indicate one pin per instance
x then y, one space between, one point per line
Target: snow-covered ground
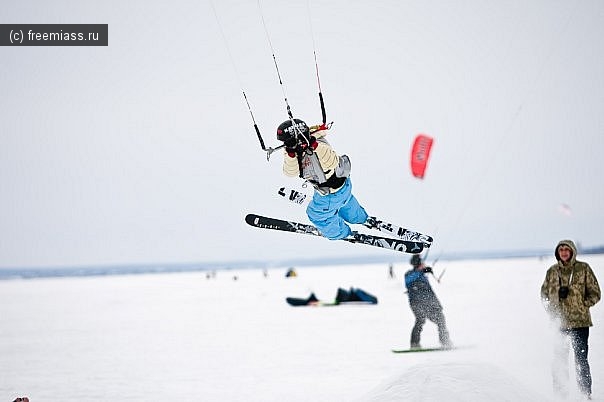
183 336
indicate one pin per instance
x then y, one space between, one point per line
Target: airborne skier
308 155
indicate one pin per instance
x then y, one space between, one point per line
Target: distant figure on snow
570 288
424 303
309 156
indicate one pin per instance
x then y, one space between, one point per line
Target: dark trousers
434 315
578 340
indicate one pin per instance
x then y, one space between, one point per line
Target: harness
311 170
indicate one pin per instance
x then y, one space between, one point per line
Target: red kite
420 152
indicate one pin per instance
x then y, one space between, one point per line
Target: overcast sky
144 151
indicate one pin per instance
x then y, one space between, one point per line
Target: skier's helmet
288 129
415 260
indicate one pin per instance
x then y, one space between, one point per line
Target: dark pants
578 340
434 315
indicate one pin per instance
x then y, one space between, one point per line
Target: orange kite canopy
420 153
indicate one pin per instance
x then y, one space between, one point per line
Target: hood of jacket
568 243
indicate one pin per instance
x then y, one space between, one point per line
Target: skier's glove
290 146
313 142
301 147
428 270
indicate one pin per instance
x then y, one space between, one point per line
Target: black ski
405 246
298 197
401 233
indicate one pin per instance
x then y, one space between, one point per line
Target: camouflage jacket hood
584 290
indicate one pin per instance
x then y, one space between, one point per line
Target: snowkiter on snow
424 303
309 156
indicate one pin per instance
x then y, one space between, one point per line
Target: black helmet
288 130
415 260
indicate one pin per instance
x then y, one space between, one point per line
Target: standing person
309 156
424 303
570 288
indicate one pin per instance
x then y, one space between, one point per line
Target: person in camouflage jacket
570 288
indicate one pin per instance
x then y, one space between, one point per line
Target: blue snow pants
329 213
